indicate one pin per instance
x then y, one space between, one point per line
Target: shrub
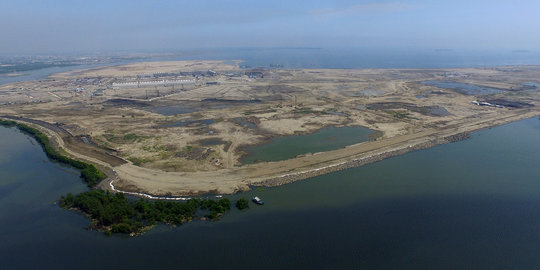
242 204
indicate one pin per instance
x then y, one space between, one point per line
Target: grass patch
138 161
165 155
307 110
128 138
250 112
103 143
399 114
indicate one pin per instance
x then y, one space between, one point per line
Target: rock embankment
360 161
458 137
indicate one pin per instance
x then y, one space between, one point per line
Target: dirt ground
177 128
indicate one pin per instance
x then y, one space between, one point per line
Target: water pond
186 108
532 84
464 88
198 106
287 147
188 123
213 141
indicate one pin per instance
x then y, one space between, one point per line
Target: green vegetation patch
115 213
242 204
307 110
138 161
399 114
250 112
128 138
111 138
89 173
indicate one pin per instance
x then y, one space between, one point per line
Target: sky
57 26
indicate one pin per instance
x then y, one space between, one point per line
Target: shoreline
292 102
325 167
375 157
278 179
372 136
90 174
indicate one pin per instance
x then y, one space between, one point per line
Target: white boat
257 200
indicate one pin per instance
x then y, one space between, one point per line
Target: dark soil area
464 88
126 102
243 101
77 144
509 103
189 123
195 153
249 122
425 110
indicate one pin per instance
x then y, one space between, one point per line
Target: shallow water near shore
473 204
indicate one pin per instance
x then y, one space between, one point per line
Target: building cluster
90 81
151 83
195 74
255 73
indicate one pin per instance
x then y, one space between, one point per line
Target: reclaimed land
171 139
115 213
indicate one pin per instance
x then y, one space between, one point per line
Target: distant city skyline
33 26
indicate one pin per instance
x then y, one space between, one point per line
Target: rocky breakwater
362 159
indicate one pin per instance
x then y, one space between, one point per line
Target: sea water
473 204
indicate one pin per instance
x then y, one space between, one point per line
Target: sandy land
282 172
187 139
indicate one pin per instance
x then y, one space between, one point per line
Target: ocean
473 204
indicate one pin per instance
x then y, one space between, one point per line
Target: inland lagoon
326 139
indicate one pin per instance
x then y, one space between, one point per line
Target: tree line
89 173
115 213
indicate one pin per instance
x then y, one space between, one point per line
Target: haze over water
331 57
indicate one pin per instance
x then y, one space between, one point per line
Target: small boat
257 200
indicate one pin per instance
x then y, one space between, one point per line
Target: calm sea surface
473 204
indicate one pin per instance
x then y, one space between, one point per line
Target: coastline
240 179
384 154
91 175
118 182
114 134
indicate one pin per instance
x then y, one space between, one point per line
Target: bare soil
132 131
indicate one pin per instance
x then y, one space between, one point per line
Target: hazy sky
33 26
